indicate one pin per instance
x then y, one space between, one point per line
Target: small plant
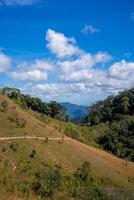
14 146
33 153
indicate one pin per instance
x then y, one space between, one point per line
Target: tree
84 172
47 182
56 109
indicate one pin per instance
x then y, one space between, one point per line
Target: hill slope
17 164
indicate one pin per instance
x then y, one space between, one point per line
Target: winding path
33 137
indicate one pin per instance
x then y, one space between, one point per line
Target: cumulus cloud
122 70
35 71
52 90
60 45
5 62
72 72
18 2
77 76
102 57
89 29
86 60
81 68
42 64
37 64
72 61
31 75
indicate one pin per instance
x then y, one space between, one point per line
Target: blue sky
77 51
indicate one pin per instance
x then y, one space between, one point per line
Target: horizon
76 52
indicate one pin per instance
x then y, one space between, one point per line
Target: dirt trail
33 137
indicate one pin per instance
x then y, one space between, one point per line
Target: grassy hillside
23 160
14 121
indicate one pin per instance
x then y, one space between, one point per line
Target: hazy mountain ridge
74 110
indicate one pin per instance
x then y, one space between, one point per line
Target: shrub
71 132
14 146
33 153
47 182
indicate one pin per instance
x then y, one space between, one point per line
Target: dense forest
117 114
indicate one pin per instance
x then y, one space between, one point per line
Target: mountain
74 110
38 159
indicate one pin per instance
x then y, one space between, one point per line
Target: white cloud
76 62
52 90
72 73
122 70
31 75
102 57
37 64
78 76
42 64
90 83
5 62
86 60
35 71
60 45
89 29
19 2
81 68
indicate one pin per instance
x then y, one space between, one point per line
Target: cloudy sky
76 51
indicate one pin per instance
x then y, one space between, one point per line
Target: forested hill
112 108
116 114
26 101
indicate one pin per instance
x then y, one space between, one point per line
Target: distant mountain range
74 110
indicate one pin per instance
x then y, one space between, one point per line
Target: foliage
47 181
72 132
120 138
14 146
112 108
56 110
52 109
80 185
117 113
33 153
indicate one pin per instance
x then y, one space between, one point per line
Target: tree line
112 108
52 109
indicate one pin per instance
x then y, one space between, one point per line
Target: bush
47 182
14 146
71 132
33 153
82 186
